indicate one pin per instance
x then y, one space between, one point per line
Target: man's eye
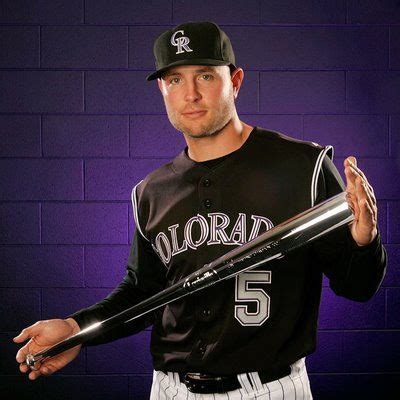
174 81
207 77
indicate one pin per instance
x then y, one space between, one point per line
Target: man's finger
48 369
24 335
27 333
22 352
357 171
34 375
23 367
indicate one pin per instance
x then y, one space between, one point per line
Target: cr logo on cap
181 42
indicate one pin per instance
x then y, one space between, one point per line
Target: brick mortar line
40 47
148 69
225 24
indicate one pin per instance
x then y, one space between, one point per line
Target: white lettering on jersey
203 231
165 253
257 225
174 236
239 229
214 229
217 229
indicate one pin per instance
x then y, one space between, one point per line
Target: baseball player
247 337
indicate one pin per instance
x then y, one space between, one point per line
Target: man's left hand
361 198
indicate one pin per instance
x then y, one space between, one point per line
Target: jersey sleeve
145 276
354 272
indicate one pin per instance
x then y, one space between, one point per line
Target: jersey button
206 313
202 348
207 182
207 203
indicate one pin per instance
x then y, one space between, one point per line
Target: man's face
199 99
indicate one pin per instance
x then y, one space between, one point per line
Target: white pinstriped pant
295 386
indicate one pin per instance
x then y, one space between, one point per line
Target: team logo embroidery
180 42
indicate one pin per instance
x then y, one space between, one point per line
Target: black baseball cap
192 43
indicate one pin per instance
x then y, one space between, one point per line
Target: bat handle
31 360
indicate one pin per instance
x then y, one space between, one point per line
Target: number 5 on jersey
246 291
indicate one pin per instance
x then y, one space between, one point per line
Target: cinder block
221 12
286 47
328 356
84 47
20 387
141 41
373 12
371 351
392 277
85 136
393 308
394 149
373 92
62 302
41 179
154 136
358 135
41 266
289 125
248 99
304 12
340 313
19 223
84 223
140 386
20 136
382 219
122 92
24 303
105 266
302 92
85 387
41 91
393 222
41 12
395 46
127 355
19 47
115 179
354 386
8 351
128 12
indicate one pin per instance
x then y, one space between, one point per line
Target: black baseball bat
273 244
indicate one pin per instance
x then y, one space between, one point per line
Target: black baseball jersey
189 213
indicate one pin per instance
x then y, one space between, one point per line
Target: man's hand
361 198
42 335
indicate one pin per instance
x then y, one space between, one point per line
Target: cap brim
203 61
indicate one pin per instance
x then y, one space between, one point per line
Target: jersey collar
192 171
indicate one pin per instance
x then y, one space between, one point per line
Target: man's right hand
42 335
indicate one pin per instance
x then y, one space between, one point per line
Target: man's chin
199 135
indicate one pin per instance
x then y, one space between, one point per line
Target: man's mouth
194 114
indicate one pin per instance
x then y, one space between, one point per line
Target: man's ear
159 82
237 78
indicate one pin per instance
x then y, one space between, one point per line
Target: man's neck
228 140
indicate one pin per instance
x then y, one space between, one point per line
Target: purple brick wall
80 126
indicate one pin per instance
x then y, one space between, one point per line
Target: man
249 336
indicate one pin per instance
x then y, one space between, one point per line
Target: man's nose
192 92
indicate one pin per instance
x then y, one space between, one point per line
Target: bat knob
31 361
